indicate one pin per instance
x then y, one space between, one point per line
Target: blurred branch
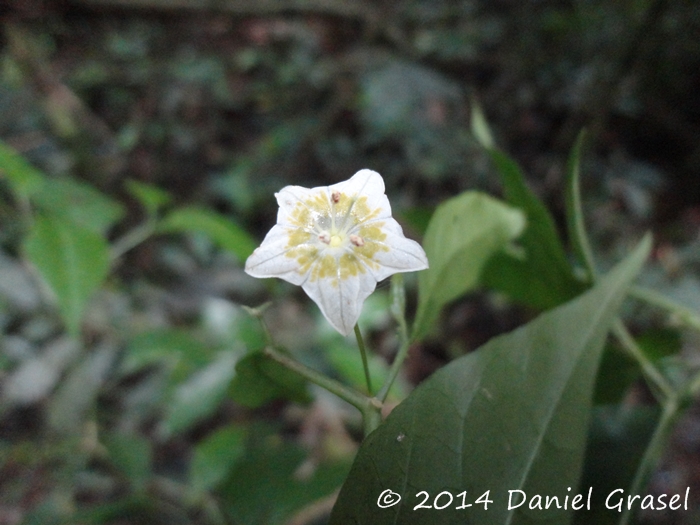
70 118
348 9
622 60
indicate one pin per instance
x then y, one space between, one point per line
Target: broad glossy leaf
223 231
543 278
72 260
463 234
511 416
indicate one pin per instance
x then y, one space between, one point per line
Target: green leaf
78 202
543 278
463 234
226 233
131 454
178 349
618 437
151 197
510 416
215 456
275 479
200 396
574 211
346 361
24 179
72 260
616 373
260 380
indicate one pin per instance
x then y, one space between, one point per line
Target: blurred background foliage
149 404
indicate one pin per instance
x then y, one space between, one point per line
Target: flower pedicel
336 242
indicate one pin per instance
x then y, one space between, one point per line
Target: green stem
693 386
369 407
652 452
355 398
633 349
363 353
652 297
398 309
132 238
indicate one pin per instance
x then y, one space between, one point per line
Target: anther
324 237
335 197
357 240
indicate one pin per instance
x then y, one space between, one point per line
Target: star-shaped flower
336 242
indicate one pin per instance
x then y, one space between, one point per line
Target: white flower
336 242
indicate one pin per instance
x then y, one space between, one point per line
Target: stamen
324 237
335 197
357 240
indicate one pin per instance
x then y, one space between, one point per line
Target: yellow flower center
329 236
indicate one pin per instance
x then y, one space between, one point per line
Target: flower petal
272 259
290 198
369 185
396 254
341 300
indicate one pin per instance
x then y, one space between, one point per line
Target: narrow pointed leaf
463 234
543 278
574 211
72 260
510 416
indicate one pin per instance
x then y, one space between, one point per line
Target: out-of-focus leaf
37 376
79 203
660 342
24 179
76 394
131 454
73 260
260 380
172 347
215 456
416 218
616 373
200 395
618 437
151 197
271 466
463 234
511 416
543 278
346 361
223 231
